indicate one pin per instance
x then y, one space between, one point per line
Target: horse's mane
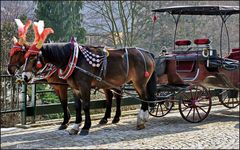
57 53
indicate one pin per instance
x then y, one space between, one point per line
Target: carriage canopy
200 10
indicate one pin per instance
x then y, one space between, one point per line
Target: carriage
195 72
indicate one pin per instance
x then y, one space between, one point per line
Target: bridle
39 59
17 48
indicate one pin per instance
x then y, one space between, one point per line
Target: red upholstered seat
236 49
185 66
234 55
183 42
202 41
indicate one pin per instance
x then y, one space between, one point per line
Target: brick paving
219 131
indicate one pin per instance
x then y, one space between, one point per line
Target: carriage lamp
205 52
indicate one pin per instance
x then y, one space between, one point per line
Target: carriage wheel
160 109
195 103
230 98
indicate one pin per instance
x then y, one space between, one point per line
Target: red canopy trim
235 49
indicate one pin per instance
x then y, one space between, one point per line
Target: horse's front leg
143 113
66 113
118 97
86 109
109 96
64 101
78 121
61 92
143 116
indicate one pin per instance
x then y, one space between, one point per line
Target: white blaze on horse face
143 115
27 75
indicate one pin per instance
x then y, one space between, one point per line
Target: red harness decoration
16 48
71 64
48 71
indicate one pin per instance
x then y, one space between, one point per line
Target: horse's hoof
115 120
84 132
63 126
141 126
73 132
103 121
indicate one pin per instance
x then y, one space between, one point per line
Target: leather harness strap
127 61
144 60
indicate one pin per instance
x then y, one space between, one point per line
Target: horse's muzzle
11 70
26 76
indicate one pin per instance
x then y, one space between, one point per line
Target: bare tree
11 10
119 18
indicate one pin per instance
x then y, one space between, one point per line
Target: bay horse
17 60
123 66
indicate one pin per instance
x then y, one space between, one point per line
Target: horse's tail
152 88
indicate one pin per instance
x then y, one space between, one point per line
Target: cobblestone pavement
219 131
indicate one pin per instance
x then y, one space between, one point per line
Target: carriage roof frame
209 10
200 10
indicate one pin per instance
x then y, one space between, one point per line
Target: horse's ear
14 39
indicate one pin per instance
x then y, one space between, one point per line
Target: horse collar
71 64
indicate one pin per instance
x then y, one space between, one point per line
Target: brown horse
123 65
17 60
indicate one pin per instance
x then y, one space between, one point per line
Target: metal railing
15 98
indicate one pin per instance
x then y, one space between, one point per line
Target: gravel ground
219 131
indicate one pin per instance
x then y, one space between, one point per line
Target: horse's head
19 48
33 57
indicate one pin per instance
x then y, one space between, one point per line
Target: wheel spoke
232 102
161 109
202 109
200 95
185 109
157 108
165 106
189 113
198 114
228 101
193 113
